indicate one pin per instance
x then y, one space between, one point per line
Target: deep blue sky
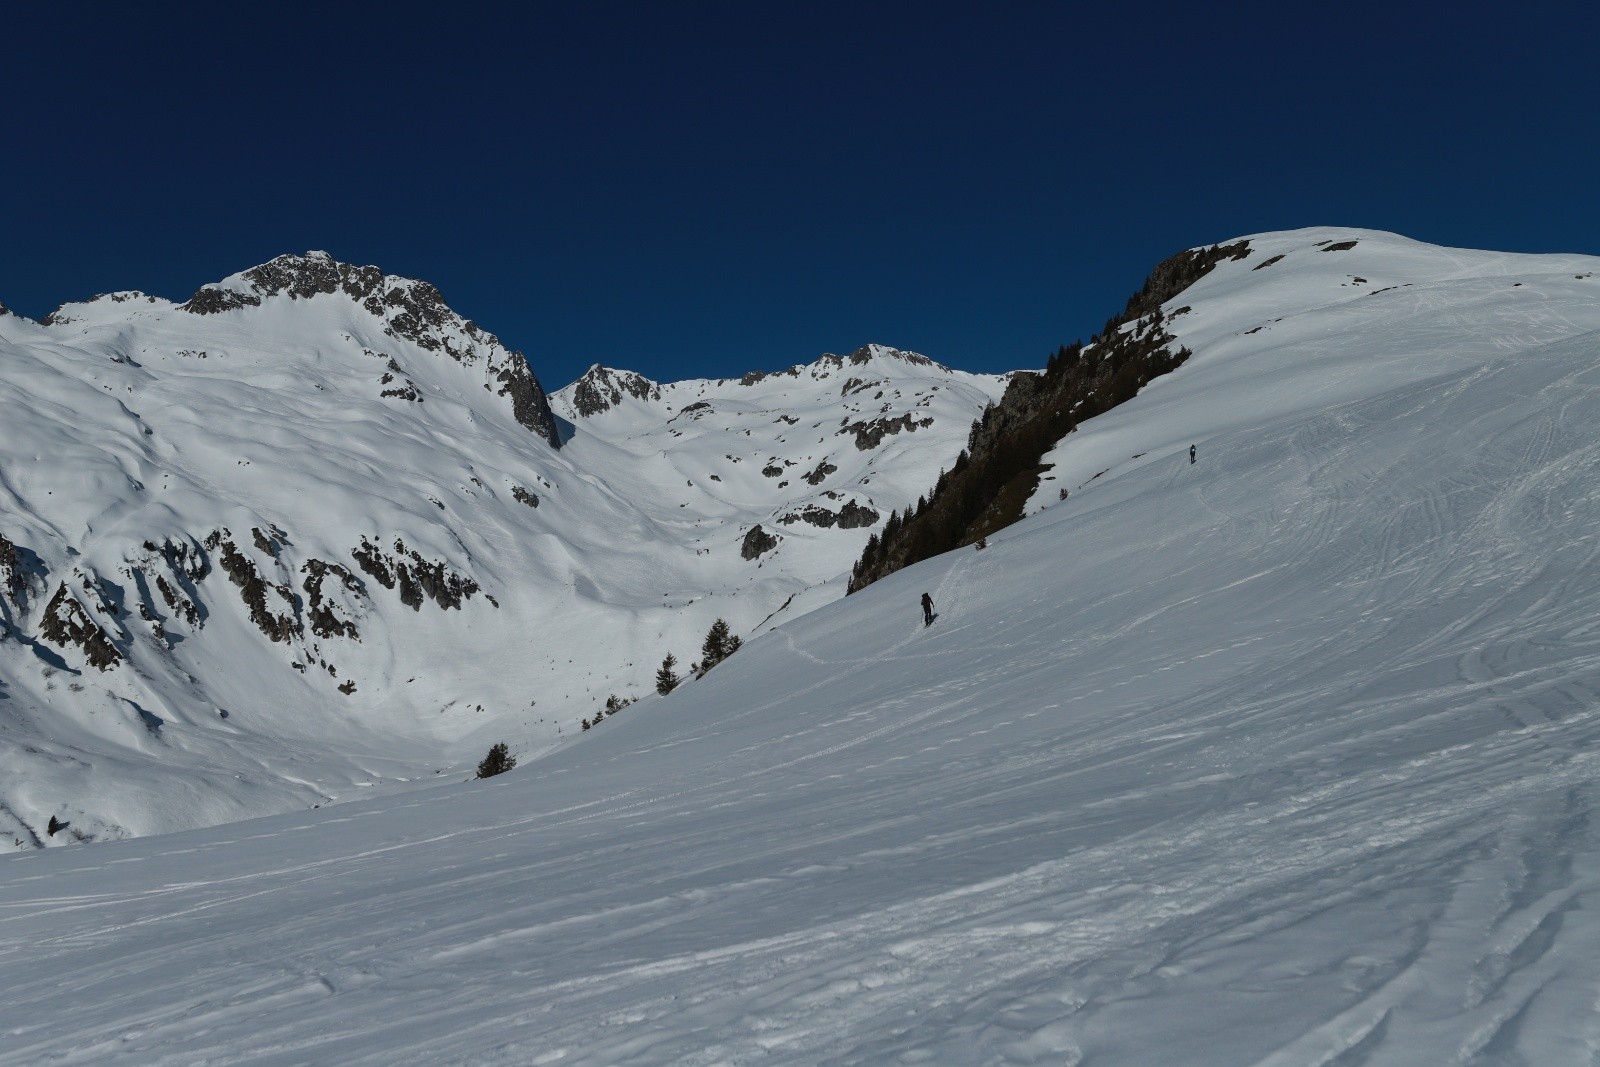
693 189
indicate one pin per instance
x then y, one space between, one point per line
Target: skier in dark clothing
1191 454
927 610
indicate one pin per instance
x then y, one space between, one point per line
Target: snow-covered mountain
794 458
312 530
1284 757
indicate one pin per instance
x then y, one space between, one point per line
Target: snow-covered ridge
1274 328
803 453
600 389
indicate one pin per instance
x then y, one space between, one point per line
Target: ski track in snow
1288 758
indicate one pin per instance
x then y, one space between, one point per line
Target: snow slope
310 534
1288 757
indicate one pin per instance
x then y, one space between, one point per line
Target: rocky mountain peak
602 388
869 352
411 310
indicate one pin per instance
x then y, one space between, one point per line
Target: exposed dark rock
601 389
186 564
854 516
772 470
1267 262
870 434
181 605
526 497
13 578
67 624
347 687
1339 246
1176 273
821 472
812 514
321 614
416 578
694 411
752 377
529 404
408 391
757 542
253 590
211 300
268 545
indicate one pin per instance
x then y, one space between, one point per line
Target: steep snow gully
1288 757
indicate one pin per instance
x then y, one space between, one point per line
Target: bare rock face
822 470
529 404
870 434
322 614
852 516
67 624
757 542
417 578
13 579
253 589
601 389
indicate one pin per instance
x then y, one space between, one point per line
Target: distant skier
927 610
1191 455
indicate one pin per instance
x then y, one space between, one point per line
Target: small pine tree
498 761
720 643
667 678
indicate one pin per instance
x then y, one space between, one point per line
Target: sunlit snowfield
1285 757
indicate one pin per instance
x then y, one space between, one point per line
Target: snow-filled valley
1290 755
310 535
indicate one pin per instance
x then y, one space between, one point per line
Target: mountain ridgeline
989 483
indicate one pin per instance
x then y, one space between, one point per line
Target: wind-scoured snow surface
1291 756
309 535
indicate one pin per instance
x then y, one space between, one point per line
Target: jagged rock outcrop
820 472
253 589
68 624
321 613
13 579
417 578
871 432
601 389
853 516
757 543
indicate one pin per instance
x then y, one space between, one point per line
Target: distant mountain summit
601 388
410 310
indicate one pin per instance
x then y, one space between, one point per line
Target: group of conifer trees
989 483
720 643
